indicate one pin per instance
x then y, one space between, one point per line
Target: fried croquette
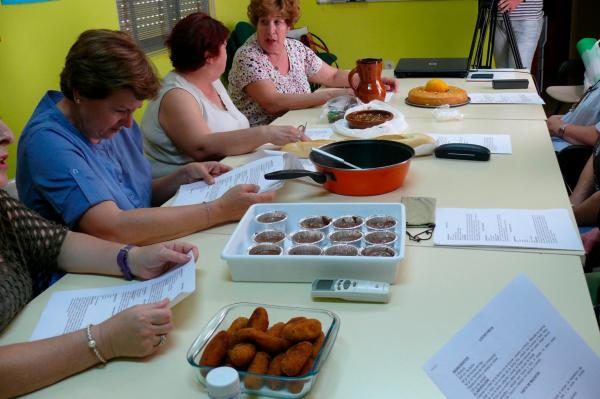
317 344
296 386
294 358
295 319
275 370
215 351
240 322
276 329
241 354
303 330
259 319
259 365
264 341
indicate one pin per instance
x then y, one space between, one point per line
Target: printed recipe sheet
518 346
519 228
73 310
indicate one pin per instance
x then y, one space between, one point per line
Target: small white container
378 250
265 250
314 237
381 222
223 383
276 237
344 250
305 249
348 222
320 223
272 220
348 237
381 237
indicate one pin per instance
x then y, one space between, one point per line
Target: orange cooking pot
383 166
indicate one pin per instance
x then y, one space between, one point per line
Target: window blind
150 21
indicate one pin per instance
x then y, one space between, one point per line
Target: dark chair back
242 31
571 161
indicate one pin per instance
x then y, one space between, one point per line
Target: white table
380 347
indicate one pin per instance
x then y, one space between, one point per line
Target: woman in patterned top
31 248
271 74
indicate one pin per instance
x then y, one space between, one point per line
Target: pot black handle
296 173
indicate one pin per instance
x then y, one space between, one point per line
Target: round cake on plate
437 92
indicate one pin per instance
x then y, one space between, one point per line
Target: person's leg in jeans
501 49
527 34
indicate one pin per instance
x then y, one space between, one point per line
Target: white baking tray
306 268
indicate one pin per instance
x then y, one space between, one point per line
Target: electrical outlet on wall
387 64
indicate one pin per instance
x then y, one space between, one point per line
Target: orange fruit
436 85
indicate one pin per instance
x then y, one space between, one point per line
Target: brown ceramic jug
370 87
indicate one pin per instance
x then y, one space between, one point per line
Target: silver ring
161 340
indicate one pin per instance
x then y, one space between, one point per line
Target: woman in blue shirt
581 125
80 156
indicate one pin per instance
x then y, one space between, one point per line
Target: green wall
34 38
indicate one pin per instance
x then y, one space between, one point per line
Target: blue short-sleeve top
61 174
587 112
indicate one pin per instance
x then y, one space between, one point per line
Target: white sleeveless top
164 157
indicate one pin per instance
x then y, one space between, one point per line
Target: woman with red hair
193 117
271 74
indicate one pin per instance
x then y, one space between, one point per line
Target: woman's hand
234 203
391 85
281 135
329 93
134 332
590 240
153 260
206 171
508 5
554 123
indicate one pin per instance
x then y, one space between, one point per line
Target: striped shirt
528 9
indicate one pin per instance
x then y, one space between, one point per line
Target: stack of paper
69 311
250 173
521 228
506 98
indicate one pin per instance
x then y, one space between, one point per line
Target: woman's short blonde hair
289 9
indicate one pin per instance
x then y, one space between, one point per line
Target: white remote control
352 290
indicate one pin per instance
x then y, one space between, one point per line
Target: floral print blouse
252 64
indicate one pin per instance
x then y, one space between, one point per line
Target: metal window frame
172 9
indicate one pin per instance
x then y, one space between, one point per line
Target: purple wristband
123 263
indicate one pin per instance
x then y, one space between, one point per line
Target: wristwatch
561 130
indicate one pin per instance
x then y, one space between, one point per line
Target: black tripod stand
487 19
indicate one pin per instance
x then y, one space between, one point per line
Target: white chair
565 94
11 189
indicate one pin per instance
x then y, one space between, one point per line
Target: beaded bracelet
123 262
92 344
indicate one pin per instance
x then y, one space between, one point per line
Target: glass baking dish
275 387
